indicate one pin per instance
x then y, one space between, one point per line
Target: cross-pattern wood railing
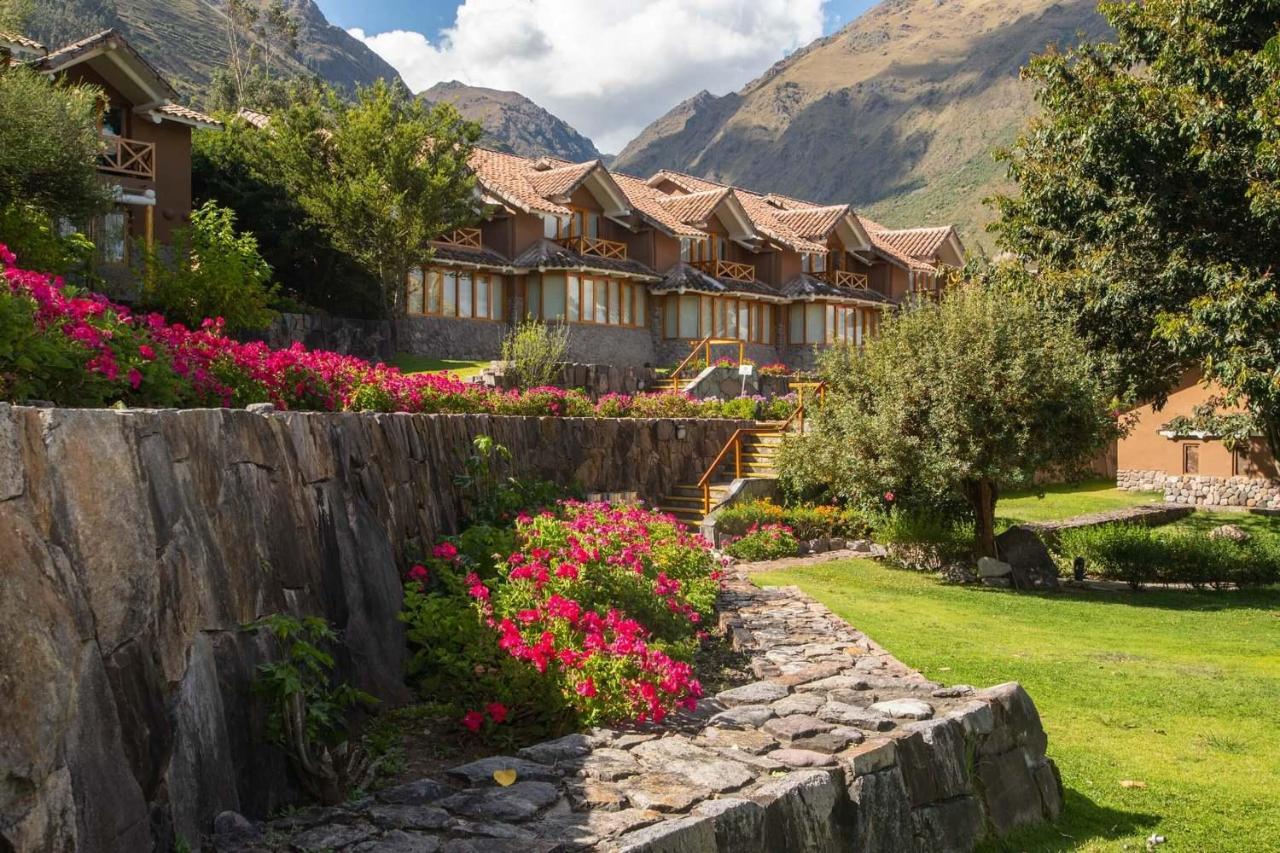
596 246
129 157
465 238
727 269
844 278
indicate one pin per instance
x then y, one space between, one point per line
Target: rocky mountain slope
187 39
513 123
898 112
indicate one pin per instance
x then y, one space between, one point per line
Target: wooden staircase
690 502
692 365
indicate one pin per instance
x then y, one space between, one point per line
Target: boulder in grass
1232 532
1032 566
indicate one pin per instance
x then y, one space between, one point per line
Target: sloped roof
693 208
188 115
560 180
21 41
805 286
253 117
545 184
814 223
649 204
683 277
89 46
506 176
468 255
546 254
923 243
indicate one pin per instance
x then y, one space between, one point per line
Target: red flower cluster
474 720
608 601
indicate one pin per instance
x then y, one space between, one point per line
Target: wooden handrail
131 157
467 238
597 246
675 374
717 268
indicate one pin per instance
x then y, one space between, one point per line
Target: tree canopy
953 401
1148 206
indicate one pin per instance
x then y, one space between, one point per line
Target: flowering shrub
775 369
592 616
806 521
80 349
767 542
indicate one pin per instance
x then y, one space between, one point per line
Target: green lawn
1178 690
1067 501
1203 522
421 364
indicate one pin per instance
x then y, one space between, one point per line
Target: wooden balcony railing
844 278
128 157
466 238
597 246
727 269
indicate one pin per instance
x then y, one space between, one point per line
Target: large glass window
830 324
591 299
553 291
444 292
695 317
112 237
688 317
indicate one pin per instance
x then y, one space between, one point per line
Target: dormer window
813 263
113 121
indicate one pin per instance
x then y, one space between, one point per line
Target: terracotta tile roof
648 202
21 41
922 243
188 115
545 254
815 223
694 208
253 117
466 255
506 176
72 54
559 181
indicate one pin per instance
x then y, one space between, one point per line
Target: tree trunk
982 497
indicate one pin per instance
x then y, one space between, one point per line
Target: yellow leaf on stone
1132 783
504 777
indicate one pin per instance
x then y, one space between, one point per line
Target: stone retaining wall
136 544
1195 490
838 747
596 379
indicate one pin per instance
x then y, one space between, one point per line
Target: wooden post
150 226
737 459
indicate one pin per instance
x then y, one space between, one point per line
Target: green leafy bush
764 542
1140 555
535 350
736 519
807 521
944 535
210 270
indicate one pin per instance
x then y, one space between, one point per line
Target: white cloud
607 71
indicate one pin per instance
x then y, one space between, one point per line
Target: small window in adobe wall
1191 459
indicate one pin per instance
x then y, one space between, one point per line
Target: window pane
730 318
766 324
549 224
450 308
497 296
413 301
831 323
482 295
814 327
434 291
553 298
615 303
686 253
533 297
588 301
689 317
744 321
464 294
796 322
573 298
593 225
642 318
670 327
708 311
628 297
602 300
113 239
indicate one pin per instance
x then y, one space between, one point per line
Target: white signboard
746 369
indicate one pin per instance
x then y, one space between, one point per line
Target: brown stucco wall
173 175
1144 449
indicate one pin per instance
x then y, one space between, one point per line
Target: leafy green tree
381 176
49 147
953 400
1148 205
238 168
210 270
14 13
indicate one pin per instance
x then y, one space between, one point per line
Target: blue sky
429 17
607 68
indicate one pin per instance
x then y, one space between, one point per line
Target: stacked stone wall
1195 490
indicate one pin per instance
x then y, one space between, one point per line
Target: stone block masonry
1195 490
838 747
135 545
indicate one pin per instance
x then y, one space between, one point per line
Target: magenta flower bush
594 616
80 349
769 541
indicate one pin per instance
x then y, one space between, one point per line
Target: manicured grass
1177 690
1203 522
420 364
1067 501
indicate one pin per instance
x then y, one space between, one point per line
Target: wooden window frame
713 318
1189 449
630 291
478 279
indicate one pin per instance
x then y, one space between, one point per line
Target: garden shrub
807 521
736 519
763 542
900 526
1141 555
674 405
535 351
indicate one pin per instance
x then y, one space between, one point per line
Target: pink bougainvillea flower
419 573
586 688
497 711
445 551
888 497
473 720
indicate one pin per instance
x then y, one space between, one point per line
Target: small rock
756 693
802 758
417 793
911 709
837 682
630 739
751 741
990 567
664 792
409 817
561 749
795 727
231 823
260 408
828 742
481 772
400 842
331 836
852 715
954 692
1232 532
743 717
608 764
520 801
799 703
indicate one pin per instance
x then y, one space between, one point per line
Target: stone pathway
837 746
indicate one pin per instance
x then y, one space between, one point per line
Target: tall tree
955 400
382 176
1146 199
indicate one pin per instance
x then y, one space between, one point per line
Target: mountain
187 39
513 123
898 112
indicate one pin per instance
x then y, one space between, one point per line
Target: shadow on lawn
1083 821
1206 601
